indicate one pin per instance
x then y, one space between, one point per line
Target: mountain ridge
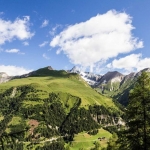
113 84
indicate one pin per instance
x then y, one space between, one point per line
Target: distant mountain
112 84
4 77
90 78
114 76
118 86
40 72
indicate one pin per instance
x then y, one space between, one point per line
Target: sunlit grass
86 141
74 86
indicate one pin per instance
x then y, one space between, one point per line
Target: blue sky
95 35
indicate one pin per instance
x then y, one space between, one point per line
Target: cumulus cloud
133 62
13 70
97 39
12 50
18 29
45 23
25 43
45 56
43 44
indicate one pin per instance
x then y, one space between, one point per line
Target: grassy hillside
49 108
86 141
58 81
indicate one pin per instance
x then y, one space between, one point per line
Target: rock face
74 70
90 78
114 76
113 84
4 77
130 76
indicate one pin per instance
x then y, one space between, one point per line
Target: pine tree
137 134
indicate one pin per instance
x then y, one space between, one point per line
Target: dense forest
58 116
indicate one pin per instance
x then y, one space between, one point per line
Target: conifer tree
137 134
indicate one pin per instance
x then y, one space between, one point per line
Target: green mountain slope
58 81
119 91
48 106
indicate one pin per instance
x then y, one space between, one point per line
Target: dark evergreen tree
137 134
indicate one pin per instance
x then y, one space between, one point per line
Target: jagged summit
75 69
89 77
112 76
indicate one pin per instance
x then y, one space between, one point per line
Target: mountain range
113 84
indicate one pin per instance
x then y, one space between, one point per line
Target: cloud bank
133 62
97 39
13 70
18 29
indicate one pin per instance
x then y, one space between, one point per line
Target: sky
94 35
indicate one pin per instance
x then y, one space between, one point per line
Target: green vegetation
86 141
136 135
58 81
118 91
137 117
51 108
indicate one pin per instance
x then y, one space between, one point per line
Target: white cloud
45 56
45 23
13 70
18 29
133 62
98 39
43 44
25 43
54 29
12 50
